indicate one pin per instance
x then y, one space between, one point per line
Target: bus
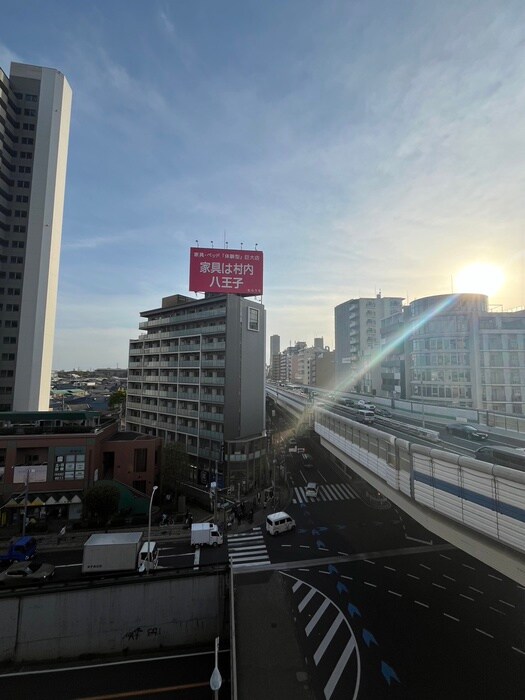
513 457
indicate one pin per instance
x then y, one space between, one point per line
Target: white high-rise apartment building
35 111
357 341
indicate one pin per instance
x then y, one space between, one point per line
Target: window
253 319
30 112
31 98
140 460
27 141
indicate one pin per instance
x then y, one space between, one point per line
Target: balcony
182 318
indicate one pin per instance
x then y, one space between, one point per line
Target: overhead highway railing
477 506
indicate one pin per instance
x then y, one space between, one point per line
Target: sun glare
479 278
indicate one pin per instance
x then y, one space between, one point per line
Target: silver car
24 573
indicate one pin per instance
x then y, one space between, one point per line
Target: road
182 675
380 607
384 609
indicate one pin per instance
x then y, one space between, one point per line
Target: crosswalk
247 549
327 492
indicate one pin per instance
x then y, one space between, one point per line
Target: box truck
118 551
205 533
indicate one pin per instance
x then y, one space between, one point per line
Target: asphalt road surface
384 609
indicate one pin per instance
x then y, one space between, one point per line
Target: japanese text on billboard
226 271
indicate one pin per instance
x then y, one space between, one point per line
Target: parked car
26 573
469 432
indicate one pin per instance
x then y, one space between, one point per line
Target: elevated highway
476 506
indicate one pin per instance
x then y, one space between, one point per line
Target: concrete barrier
102 618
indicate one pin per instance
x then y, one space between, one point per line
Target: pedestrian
61 534
258 497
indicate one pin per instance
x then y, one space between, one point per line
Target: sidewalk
74 539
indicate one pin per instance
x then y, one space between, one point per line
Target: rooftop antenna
241 245
256 246
211 243
197 242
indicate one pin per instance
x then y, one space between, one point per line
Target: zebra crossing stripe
328 489
348 490
327 639
338 670
337 488
308 597
315 619
247 549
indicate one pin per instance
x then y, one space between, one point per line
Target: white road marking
372 585
414 576
296 586
496 577
485 633
343 554
390 568
496 610
476 590
338 670
438 585
504 602
445 557
308 597
315 619
197 558
424 566
520 651
448 577
348 578
399 595
456 619
369 561
327 639
424 605
462 595
467 566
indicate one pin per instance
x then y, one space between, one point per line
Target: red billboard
226 271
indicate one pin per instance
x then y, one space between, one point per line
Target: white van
143 564
279 522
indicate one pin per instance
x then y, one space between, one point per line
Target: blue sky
362 145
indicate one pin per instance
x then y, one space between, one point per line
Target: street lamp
216 678
149 529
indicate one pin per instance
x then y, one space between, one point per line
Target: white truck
119 551
205 533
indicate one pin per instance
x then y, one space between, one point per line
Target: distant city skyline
364 147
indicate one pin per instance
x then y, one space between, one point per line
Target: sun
479 278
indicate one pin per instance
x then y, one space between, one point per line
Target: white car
364 404
312 490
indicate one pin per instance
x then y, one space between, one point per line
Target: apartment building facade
35 110
358 339
451 349
196 377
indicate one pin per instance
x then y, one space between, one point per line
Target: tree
174 467
102 500
117 398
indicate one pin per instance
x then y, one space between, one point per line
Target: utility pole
26 496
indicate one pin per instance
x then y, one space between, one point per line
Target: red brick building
60 454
